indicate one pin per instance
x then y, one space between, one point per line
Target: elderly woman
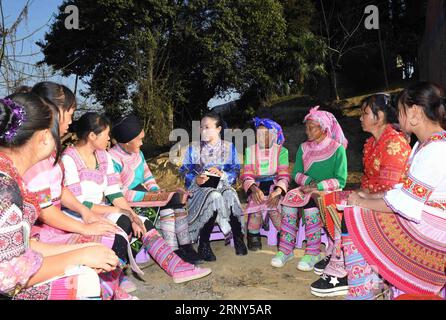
265 178
139 185
321 165
385 157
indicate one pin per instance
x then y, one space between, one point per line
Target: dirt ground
249 277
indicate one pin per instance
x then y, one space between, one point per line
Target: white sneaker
280 259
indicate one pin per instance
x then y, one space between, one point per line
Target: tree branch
4 33
31 34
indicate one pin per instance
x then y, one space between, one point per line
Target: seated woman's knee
215 195
125 224
147 223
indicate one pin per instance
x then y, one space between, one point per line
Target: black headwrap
126 129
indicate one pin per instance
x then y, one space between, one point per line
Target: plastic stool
216 235
271 234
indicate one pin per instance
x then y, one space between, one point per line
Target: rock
165 173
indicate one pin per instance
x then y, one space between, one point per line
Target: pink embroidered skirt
411 256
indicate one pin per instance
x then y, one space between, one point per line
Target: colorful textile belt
265 179
436 204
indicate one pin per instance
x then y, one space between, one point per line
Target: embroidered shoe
329 286
280 259
321 265
127 285
189 275
308 261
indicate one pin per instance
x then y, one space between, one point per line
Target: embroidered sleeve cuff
149 178
283 185
151 185
403 204
308 180
138 196
282 191
302 179
248 184
328 185
88 204
45 205
44 198
114 196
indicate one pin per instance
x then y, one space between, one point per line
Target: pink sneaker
189 275
127 285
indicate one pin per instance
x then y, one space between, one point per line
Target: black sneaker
321 265
329 286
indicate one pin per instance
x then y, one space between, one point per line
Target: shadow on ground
249 277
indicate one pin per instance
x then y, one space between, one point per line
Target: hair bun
23 89
73 126
5 118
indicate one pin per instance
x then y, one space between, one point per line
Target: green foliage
165 59
356 52
306 51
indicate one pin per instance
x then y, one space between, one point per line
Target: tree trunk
432 52
334 80
383 59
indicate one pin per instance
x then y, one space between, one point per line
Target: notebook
212 182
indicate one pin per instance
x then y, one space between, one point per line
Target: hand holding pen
201 178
